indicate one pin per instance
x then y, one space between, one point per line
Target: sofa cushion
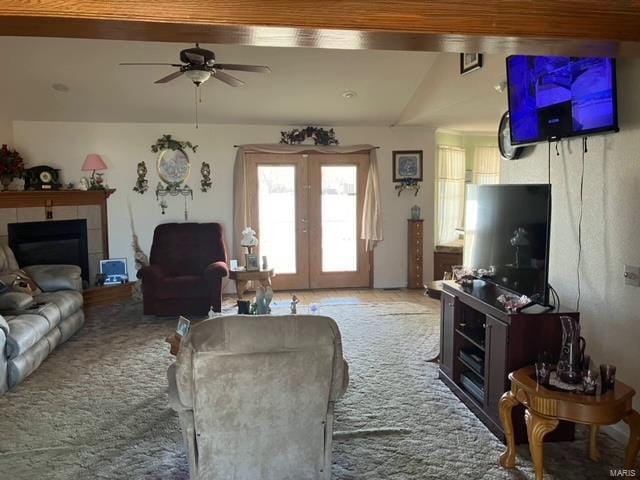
52 278
67 301
48 310
25 330
22 366
12 301
70 325
7 260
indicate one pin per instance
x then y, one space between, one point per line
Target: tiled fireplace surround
94 214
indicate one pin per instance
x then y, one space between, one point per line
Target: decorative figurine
205 171
264 295
294 302
249 239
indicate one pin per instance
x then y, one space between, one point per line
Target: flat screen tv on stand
507 230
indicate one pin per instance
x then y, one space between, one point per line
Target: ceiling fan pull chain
196 103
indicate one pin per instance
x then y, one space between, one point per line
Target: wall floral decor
142 184
319 135
205 182
166 142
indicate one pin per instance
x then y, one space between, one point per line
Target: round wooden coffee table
546 407
243 277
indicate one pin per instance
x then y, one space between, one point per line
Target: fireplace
49 243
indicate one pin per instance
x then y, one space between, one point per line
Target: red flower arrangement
11 162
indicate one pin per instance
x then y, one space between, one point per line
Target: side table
243 277
546 407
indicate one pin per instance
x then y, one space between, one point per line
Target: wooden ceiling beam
577 27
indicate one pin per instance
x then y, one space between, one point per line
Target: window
486 165
450 167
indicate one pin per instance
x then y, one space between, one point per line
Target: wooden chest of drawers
415 254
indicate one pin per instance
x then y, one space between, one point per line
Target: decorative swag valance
372 211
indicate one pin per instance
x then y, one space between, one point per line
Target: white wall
610 310
64 145
6 132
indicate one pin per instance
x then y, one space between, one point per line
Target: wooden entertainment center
481 343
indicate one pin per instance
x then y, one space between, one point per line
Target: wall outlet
632 275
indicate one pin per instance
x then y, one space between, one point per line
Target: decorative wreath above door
319 135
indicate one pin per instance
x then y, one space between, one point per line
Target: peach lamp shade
94 162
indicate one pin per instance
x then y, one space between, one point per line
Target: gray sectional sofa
33 325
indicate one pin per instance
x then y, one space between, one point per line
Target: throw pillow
19 281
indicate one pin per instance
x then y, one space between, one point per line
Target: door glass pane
339 218
277 205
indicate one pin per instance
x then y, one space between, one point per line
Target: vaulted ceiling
305 86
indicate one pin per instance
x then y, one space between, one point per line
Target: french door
307 210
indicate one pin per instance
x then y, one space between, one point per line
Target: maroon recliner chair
187 263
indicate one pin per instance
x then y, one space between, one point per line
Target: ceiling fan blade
194 58
170 77
228 79
242 68
166 64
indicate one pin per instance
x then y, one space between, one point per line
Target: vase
6 179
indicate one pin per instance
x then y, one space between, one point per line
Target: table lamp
92 163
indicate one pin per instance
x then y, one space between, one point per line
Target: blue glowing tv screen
556 97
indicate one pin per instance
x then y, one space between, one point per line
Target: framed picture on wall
470 62
407 165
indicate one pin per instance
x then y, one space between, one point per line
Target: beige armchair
255 396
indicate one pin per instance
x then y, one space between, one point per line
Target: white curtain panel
242 216
450 167
486 165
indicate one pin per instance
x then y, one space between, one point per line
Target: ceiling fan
199 64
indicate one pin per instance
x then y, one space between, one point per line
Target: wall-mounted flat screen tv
506 236
557 97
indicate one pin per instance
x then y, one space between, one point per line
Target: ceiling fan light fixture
198 76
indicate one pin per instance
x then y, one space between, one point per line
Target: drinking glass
543 372
589 382
607 376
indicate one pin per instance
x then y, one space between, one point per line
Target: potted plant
11 165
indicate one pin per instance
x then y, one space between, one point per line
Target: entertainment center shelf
481 343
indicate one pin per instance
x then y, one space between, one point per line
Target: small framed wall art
470 62
407 165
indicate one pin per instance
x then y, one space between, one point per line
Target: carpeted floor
97 407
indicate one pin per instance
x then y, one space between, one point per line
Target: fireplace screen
51 243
